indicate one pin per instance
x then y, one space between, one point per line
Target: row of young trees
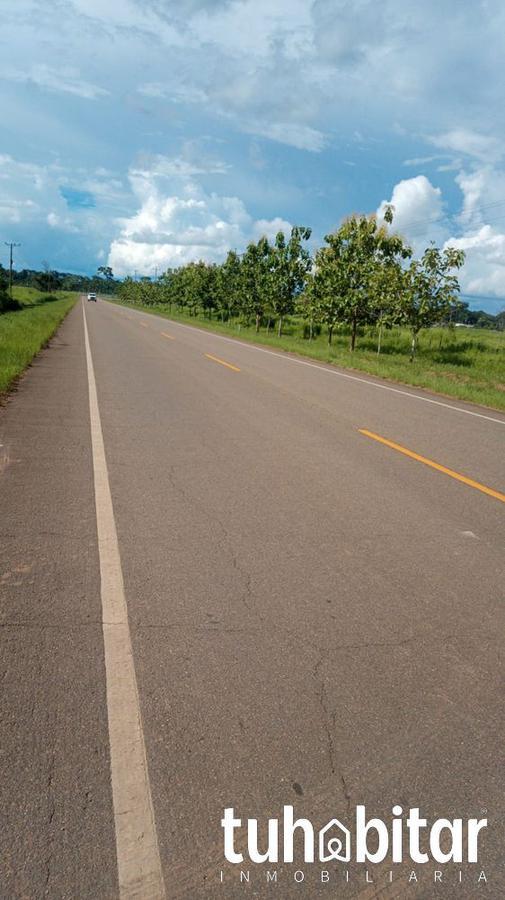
364 274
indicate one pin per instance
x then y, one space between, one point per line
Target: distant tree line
48 280
364 274
477 318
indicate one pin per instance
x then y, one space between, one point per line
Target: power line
440 217
443 215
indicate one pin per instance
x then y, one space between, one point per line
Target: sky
143 134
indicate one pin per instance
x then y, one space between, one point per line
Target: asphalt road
316 618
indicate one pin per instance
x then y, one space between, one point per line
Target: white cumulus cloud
418 209
482 236
484 271
420 217
174 228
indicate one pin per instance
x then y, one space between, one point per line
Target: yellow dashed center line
222 362
169 336
434 465
144 324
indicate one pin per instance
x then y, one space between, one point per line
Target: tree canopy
363 275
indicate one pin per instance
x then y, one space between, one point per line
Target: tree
7 303
229 285
323 299
4 294
147 293
307 305
168 288
47 280
128 290
431 289
209 287
290 265
354 254
192 286
387 291
108 275
256 280
200 284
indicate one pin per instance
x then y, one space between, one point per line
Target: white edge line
322 368
138 859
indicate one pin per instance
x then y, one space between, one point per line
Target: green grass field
24 332
465 363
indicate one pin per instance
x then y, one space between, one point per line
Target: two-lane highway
232 577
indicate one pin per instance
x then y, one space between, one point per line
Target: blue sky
146 133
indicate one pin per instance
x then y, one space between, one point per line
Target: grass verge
467 364
25 331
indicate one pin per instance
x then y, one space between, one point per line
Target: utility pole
11 245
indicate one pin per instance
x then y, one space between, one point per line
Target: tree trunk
330 333
413 346
258 319
353 334
279 329
380 340
311 330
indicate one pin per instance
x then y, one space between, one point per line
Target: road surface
314 617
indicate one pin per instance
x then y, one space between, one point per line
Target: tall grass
465 363
25 331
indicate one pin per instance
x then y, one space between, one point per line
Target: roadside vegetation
27 322
49 281
363 302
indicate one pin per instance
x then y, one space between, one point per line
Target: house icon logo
334 842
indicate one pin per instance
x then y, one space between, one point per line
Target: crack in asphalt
328 720
226 545
51 813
